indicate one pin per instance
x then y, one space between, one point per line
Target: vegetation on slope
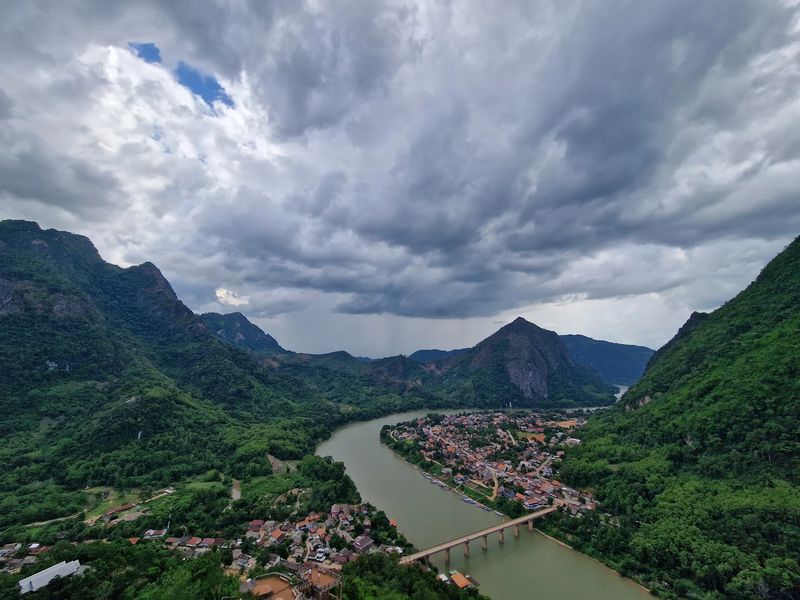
424 356
702 464
380 576
111 380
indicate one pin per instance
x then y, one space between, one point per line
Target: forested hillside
110 379
702 463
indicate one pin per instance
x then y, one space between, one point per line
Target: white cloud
407 174
230 298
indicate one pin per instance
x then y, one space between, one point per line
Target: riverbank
450 484
597 560
455 490
426 517
456 452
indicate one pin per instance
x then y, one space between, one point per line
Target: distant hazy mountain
424 356
237 330
521 364
617 363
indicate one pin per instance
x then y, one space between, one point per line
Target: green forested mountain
621 364
522 365
616 363
702 460
235 329
110 379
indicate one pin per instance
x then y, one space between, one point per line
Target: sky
386 176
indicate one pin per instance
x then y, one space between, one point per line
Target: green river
531 567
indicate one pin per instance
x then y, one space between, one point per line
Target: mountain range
110 378
521 364
516 363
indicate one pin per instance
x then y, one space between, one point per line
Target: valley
427 514
134 427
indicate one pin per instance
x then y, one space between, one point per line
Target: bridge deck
478 534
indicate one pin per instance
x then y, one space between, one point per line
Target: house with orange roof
274 587
278 535
459 580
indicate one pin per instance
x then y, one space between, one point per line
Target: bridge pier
424 555
447 556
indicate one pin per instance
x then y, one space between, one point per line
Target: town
499 461
504 462
287 559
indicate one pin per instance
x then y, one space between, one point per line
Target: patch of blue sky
203 85
147 51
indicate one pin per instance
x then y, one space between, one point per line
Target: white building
42 578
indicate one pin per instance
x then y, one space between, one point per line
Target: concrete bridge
483 535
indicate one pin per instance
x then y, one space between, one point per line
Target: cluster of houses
311 551
480 451
310 563
15 556
309 539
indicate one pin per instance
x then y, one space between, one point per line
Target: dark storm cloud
30 171
5 105
413 158
312 64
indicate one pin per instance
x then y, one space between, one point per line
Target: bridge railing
465 539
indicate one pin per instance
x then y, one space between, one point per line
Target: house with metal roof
42 578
